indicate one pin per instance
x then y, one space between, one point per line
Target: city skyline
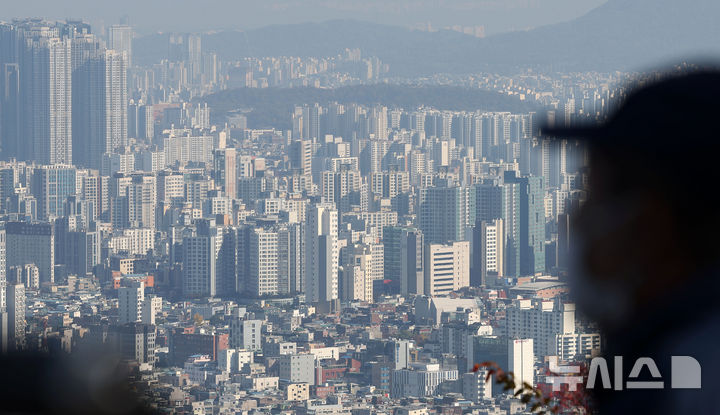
325 219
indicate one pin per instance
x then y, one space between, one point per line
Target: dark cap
663 118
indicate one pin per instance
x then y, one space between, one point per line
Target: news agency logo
685 374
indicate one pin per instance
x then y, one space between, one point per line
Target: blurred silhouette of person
645 252
96 382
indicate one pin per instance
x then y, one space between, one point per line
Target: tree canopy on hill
272 107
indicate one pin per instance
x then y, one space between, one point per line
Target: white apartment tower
47 109
16 315
491 248
521 360
130 302
114 67
150 309
262 278
447 268
542 321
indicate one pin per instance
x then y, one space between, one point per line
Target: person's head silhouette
650 222
645 252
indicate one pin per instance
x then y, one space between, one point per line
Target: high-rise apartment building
152 305
542 321
496 200
46 88
262 270
291 258
120 38
15 305
10 104
31 243
225 171
199 266
100 103
521 360
130 302
404 259
301 156
51 186
488 251
321 254
532 222
362 265
445 213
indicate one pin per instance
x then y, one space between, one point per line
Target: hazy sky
204 15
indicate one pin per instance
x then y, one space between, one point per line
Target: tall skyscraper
199 266
10 110
497 200
562 251
146 123
291 258
445 213
488 251
301 156
46 94
225 163
120 38
194 57
100 119
404 259
321 254
130 302
141 199
231 261
15 303
86 49
9 91
532 222
262 276
521 360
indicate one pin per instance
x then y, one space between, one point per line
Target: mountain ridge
618 35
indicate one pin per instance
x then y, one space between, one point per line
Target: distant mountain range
619 35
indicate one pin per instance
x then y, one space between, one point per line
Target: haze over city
358 208
185 15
